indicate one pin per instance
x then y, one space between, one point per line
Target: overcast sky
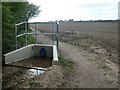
52 10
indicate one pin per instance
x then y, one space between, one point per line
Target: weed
31 39
66 64
101 63
33 84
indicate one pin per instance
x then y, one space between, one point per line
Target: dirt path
85 74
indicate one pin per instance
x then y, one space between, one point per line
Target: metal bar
41 22
45 33
53 32
20 23
26 67
26 33
36 33
21 35
16 35
30 33
42 33
32 28
57 36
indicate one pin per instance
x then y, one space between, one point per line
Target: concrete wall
30 51
20 54
55 55
49 49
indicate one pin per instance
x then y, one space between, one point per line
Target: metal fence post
53 32
36 33
57 35
16 35
26 32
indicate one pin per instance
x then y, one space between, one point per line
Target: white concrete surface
31 51
49 49
55 55
19 54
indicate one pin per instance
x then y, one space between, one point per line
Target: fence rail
54 33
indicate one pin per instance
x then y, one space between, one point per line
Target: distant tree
32 12
23 11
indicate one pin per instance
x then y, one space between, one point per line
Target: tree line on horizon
72 20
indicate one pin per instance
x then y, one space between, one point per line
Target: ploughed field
86 34
91 36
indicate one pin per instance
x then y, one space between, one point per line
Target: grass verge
66 64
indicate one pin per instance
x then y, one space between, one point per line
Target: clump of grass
31 39
66 64
33 84
101 63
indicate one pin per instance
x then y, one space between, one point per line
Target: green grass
22 40
101 62
66 64
31 39
33 84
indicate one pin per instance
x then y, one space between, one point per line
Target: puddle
34 72
15 76
34 62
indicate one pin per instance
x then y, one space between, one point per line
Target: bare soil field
99 40
104 33
105 29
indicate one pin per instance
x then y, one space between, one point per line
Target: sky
52 10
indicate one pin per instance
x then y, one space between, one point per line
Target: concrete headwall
55 55
19 54
31 51
48 48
